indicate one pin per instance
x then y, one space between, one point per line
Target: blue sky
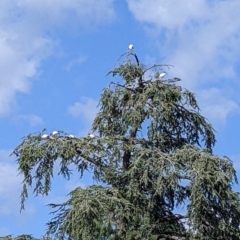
53 64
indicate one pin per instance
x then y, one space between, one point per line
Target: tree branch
175 217
170 237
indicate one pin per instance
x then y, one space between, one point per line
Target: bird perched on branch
54 133
91 135
159 75
44 136
130 47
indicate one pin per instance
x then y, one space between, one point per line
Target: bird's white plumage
44 136
54 133
91 135
161 75
130 47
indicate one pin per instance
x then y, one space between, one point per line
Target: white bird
44 136
161 75
91 135
54 133
130 47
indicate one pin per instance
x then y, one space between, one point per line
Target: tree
24 237
152 157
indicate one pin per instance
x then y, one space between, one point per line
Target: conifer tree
24 237
151 154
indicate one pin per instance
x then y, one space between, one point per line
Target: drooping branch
169 237
37 157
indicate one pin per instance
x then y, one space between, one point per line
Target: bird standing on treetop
130 47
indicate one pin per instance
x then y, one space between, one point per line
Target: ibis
130 47
54 133
44 136
91 135
161 75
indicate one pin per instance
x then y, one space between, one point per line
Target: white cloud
32 119
58 12
74 62
10 188
198 38
73 184
8 174
86 109
22 50
69 186
171 14
24 42
9 185
236 161
216 106
4 231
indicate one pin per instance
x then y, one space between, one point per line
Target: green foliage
24 237
152 155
